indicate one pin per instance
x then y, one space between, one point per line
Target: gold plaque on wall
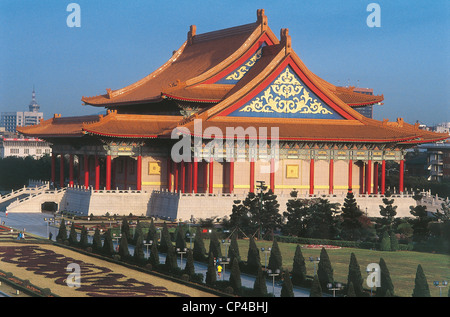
154 168
291 171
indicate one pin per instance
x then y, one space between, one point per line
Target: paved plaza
34 223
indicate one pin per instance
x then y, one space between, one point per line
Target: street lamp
190 236
226 243
334 287
224 261
315 261
265 255
273 274
444 284
181 252
149 243
48 221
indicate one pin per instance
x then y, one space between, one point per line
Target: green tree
211 276
189 269
275 259
84 238
287 290
214 245
385 244
154 255
97 241
108 246
387 212
233 250
351 290
152 233
322 223
270 217
165 242
239 218
296 215
138 232
260 286
199 250
387 288
139 256
125 229
316 289
351 224
62 233
235 277
394 242
73 235
420 223
171 259
421 288
354 276
253 258
324 269
124 252
180 240
298 267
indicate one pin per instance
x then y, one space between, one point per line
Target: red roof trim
287 62
243 58
190 99
150 136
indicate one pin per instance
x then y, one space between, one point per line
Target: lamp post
265 255
273 275
190 236
262 187
315 261
181 252
334 287
48 221
149 243
224 261
444 284
226 243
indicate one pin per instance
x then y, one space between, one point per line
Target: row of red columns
175 169
97 171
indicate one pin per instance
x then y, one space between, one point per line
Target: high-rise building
10 120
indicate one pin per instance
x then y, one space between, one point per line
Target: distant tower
34 107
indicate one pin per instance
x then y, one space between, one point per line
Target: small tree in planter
324 269
287 290
235 277
421 288
299 267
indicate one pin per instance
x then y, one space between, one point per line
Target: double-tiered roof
238 77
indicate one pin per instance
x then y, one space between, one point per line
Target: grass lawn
402 265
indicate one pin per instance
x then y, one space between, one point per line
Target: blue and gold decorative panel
236 75
286 97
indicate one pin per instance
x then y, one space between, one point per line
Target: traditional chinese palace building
244 77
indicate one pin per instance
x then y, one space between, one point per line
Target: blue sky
407 59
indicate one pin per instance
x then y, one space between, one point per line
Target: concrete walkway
34 223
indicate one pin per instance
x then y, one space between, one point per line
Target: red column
205 177
252 176
401 176
108 172
183 176
231 175
189 165
169 174
86 170
139 173
331 172
125 172
97 173
71 170
195 175
311 177
361 178
368 177
61 171
113 172
375 178
53 169
350 174
176 177
211 176
272 175
383 177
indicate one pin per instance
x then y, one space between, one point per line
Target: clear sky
407 59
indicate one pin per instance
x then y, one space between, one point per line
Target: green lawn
402 265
